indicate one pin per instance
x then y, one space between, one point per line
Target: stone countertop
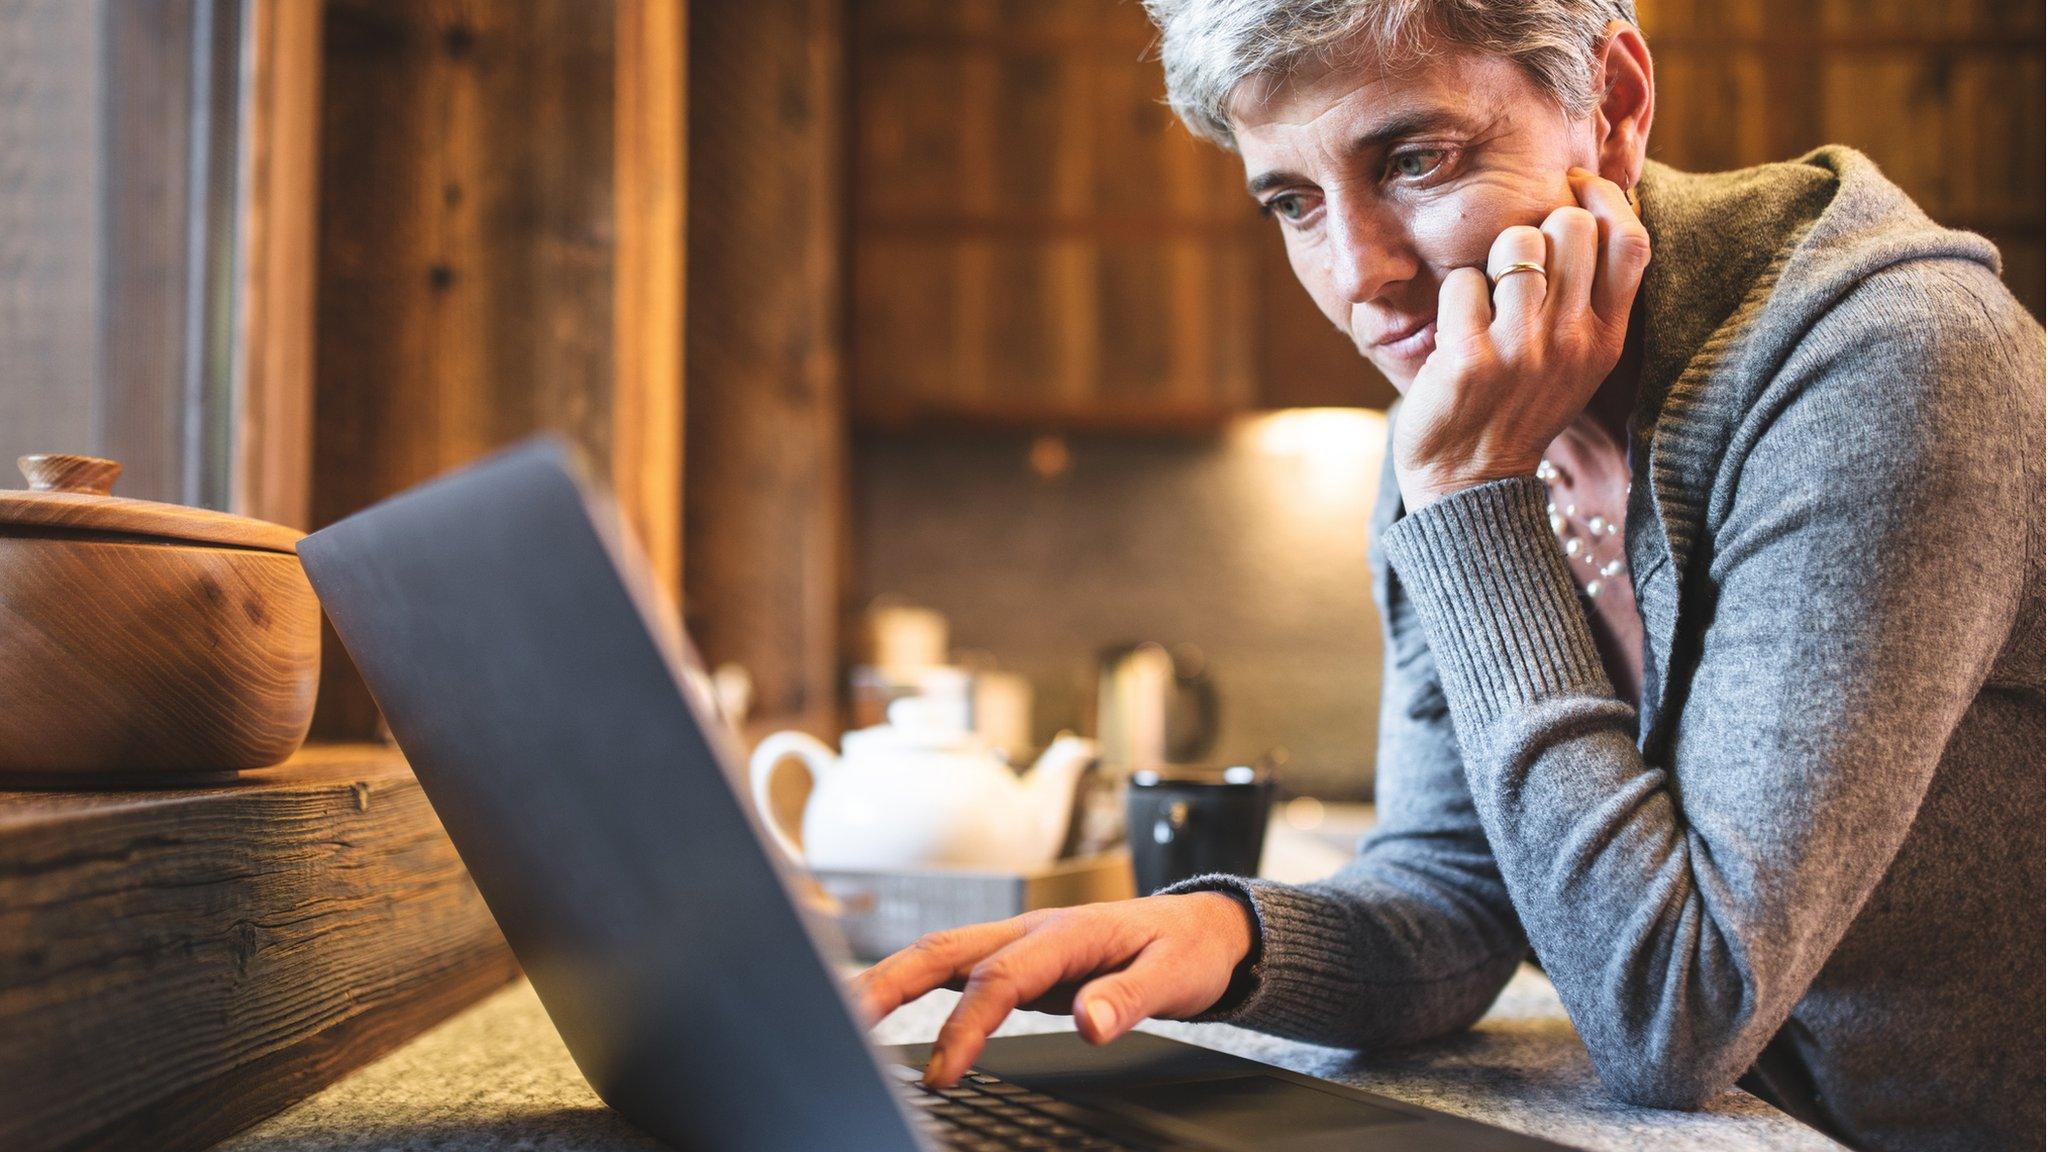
497 1076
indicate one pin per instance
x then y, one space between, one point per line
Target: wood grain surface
177 964
99 514
1036 244
138 658
1046 247
649 108
69 472
476 200
273 427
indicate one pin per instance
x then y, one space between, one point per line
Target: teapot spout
1049 788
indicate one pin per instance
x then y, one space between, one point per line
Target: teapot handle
767 757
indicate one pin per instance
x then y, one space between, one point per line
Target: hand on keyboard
986 1114
1111 965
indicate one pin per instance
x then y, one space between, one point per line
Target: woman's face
1383 184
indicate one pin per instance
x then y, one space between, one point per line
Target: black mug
1184 823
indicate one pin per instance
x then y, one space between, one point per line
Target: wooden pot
143 642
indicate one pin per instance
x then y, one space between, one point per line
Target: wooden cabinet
1945 98
1037 241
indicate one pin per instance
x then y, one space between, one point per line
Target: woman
1710 556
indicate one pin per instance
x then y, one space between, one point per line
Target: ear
1621 120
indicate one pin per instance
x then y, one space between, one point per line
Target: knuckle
1478 358
931 944
1519 238
1572 220
999 970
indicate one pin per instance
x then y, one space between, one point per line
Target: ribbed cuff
1496 600
1300 941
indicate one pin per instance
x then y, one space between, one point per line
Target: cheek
1459 231
1306 255
1453 235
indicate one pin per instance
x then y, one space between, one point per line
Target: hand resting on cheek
1520 352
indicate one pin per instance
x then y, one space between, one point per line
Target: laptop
542 687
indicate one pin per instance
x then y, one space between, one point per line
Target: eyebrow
1401 125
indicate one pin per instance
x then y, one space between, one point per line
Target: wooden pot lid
73 494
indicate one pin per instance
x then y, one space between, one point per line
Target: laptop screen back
506 629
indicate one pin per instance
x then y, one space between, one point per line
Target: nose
1367 248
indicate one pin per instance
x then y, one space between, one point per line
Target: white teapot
919 792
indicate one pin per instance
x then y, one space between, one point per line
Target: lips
1396 335
1412 343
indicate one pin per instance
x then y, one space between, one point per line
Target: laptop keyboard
986 1114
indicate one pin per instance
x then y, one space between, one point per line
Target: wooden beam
501 252
647 408
273 429
765 451
177 964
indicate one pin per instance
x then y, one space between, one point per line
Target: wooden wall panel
475 193
1086 242
765 452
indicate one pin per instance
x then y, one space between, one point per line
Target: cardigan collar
1707 277
1742 264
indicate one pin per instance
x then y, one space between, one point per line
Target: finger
1518 296
1057 951
1057 1000
934 960
1155 984
1624 245
1574 236
1464 308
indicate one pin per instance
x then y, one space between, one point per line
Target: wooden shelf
177 964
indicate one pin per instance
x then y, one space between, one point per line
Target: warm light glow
1337 449
1050 457
1323 433
1303 813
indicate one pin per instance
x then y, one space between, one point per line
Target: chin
1399 375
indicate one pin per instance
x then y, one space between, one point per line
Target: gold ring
1519 266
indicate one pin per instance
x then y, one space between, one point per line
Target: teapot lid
916 724
74 494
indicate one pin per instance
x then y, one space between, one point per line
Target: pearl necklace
1585 541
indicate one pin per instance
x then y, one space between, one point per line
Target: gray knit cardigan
1814 856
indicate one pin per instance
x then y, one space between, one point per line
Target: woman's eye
1420 162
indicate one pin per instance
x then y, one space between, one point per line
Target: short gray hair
1209 47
